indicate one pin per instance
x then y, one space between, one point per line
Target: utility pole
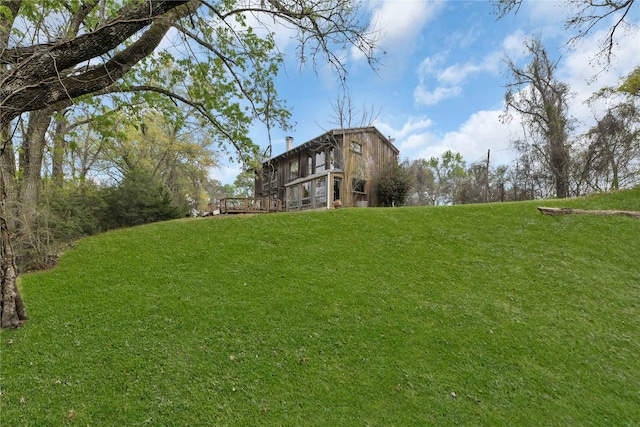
486 186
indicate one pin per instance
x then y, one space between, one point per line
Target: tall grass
465 315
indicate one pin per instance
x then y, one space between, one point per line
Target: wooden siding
367 165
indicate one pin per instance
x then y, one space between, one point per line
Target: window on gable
356 147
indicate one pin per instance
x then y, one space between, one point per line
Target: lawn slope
465 315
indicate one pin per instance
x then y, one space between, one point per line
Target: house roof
320 139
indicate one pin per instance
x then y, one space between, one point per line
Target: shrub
394 184
139 199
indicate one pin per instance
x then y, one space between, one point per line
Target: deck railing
250 205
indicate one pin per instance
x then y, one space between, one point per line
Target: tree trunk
33 145
58 149
7 167
33 151
12 310
559 168
571 211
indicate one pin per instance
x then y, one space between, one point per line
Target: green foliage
613 148
6 12
631 84
449 171
244 184
76 209
281 320
227 90
138 199
64 214
394 184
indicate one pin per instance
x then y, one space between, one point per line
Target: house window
356 147
320 161
358 185
293 169
309 165
306 193
274 179
332 158
294 196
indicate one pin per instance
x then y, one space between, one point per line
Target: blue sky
441 81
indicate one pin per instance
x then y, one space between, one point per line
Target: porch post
327 190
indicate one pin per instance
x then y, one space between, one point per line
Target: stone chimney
289 140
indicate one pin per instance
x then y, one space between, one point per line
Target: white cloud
431 64
408 130
398 24
417 141
585 77
423 96
413 124
451 78
513 45
457 73
482 131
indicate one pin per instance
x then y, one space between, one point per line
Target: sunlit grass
466 315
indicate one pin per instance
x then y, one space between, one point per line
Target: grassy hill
464 315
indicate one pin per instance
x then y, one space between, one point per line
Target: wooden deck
240 205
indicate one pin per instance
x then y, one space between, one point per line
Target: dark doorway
336 188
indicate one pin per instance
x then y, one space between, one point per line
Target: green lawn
465 315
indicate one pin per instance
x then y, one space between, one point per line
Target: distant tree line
552 159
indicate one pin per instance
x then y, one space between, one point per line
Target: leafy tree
218 191
422 191
72 51
474 185
394 184
611 159
610 154
75 209
542 101
244 184
178 154
449 171
499 183
631 84
139 199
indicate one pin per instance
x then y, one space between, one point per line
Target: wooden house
338 168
